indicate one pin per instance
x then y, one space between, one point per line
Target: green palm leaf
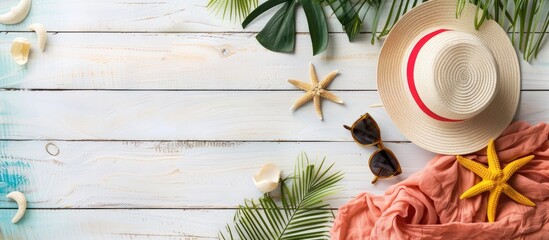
345 13
279 33
355 11
318 27
234 9
301 212
527 19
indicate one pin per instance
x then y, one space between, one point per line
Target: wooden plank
188 61
198 115
160 174
153 16
115 224
198 61
144 16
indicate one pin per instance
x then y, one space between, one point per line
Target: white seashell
21 201
17 13
41 33
20 49
266 180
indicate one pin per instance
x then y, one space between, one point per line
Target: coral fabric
427 204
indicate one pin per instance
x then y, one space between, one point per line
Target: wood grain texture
172 174
100 162
232 61
153 16
144 16
196 115
115 224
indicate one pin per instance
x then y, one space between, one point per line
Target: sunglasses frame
379 145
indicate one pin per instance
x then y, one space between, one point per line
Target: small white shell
21 201
20 49
41 33
266 180
17 13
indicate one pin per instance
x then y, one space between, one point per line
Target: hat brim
447 137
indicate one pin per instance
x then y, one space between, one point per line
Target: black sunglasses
383 162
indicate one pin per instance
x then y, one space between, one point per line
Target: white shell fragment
20 49
17 13
41 33
266 180
21 201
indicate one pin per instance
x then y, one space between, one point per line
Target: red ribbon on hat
410 75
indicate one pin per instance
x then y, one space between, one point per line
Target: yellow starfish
315 91
495 180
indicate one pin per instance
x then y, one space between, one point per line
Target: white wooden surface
178 174
198 115
147 119
140 16
117 224
200 61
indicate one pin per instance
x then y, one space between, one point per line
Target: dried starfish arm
302 100
312 73
475 167
318 108
330 96
481 187
328 79
513 166
301 85
516 196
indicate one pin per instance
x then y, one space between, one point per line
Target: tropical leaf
234 9
345 10
299 214
279 33
260 10
318 27
347 16
527 19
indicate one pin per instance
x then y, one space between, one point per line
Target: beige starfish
315 91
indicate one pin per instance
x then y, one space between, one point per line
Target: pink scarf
427 204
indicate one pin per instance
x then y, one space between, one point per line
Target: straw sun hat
448 87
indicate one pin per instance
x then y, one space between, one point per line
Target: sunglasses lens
366 131
384 164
